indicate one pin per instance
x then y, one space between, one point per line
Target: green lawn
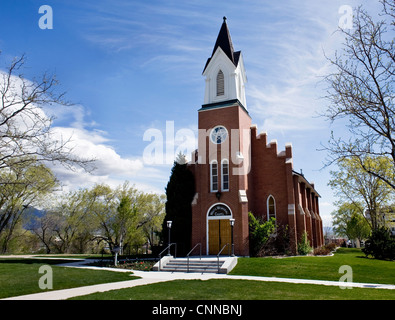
239 290
320 268
20 276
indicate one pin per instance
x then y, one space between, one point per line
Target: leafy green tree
88 219
124 215
348 221
126 224
23 187
152 211
358 228
380 245
366 192
72 223
342 216
180 191
112 217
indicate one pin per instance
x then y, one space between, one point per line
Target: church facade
238 171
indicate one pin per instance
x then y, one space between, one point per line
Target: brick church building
238 171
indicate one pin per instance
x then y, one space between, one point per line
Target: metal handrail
198 244
221 252
168 246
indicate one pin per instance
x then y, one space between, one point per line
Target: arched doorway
218 228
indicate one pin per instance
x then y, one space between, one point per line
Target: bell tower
224 71
222 161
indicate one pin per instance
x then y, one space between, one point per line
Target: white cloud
84 140
90 144
110 167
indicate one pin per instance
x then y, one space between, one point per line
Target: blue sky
130 66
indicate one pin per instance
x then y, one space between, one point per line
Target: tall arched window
271 207
214 176
220 83
225 175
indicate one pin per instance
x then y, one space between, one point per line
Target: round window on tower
218 134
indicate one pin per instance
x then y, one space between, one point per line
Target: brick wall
269 174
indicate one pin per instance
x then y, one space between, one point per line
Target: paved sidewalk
149 277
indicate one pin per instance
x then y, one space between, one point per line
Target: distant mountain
31 215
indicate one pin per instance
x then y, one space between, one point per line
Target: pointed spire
224 41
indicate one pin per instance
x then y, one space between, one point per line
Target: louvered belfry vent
220 83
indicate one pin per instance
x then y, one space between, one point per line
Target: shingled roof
225 42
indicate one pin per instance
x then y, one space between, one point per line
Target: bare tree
26 135
43 228
389 9
361 89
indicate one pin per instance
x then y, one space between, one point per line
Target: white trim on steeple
234 79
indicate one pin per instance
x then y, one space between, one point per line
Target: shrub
137 265
380 245
304 245
331 246
278 242
322 251
260 232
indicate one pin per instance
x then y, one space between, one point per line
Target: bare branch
361 89
26 133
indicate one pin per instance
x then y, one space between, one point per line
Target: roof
303 179
224 41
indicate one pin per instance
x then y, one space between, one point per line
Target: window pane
272 208
225 175
214 177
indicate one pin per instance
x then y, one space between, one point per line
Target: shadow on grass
36 261
372 258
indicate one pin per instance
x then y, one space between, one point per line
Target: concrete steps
197 265
201 266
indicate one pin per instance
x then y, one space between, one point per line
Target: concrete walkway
149 277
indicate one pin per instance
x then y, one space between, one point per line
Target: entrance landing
207 264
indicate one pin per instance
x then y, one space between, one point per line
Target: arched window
225 175
214 176
271 208
220 83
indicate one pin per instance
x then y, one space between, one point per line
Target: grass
320 268
239 290
20 276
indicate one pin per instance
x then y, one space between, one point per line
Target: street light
169 228
232 223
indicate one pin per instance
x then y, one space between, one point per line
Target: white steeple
224 71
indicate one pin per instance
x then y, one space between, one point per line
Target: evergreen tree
180 191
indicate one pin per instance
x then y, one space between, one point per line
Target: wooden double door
219 234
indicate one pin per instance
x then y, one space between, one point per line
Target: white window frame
212 176
224 161
267 206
